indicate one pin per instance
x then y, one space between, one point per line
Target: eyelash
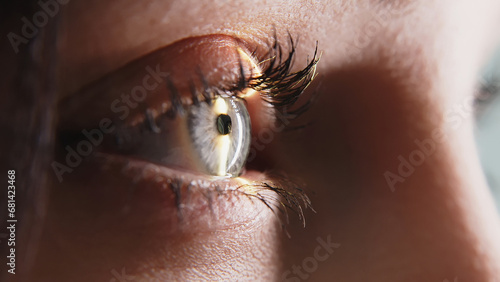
280 88
278 85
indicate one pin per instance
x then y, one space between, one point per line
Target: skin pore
390 71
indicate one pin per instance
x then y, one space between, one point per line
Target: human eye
176 125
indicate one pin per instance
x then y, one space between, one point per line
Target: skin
388 74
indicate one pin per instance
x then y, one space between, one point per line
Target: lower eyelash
285 194
285 197
278 191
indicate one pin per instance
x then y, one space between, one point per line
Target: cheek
385 114
111 223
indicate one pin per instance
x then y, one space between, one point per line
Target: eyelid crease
268 74
209 64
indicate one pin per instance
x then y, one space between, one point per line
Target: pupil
224 124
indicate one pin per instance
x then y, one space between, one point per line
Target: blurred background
488 124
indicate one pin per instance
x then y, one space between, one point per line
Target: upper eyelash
277 84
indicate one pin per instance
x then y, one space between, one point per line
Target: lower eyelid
179 202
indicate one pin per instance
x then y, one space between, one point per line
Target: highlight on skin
389 72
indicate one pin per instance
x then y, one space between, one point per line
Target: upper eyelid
100 101
275 80
101 94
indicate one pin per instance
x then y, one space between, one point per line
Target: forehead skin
99 36
388 72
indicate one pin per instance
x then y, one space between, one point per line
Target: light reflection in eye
220 154
255 71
